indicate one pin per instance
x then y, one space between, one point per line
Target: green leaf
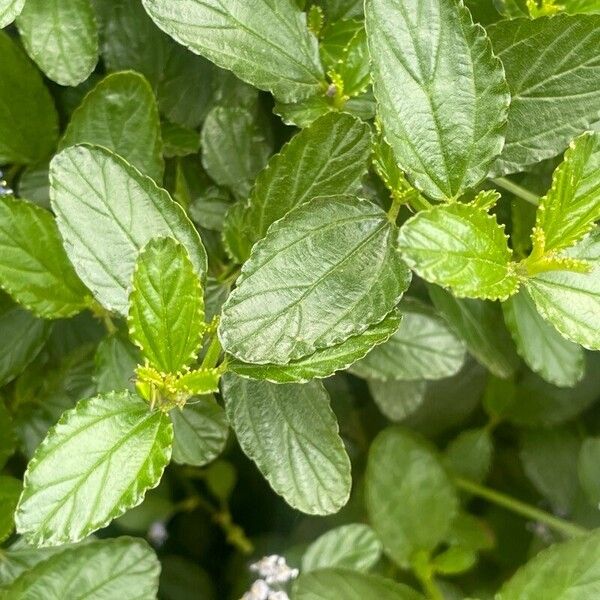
410 498
571 301
34 185
166 306
8 440
552 69
342 274
329 157
124 568
106 212
454 560
234 148
588 469
324 362
200 431
545 351
115 361
9 11
72 487
34 267
442 96
512 9
581 6
333 584
342 9
178 140
567 570
398 399
10 490
354 547
481 326
28 119
291 433
61 36
266 44
470 454
120 113
423 347
461 247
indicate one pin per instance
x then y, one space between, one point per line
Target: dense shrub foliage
300 299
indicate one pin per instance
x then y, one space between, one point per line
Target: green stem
526 510
424 572
397 201
517 190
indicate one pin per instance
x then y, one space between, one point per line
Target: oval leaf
9 11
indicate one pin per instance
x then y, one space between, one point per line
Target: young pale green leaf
106 212
72 487
34 267
200 381
325 272
423 347
200 431
567 570
461 247
552 71
442 96
571 301
588 469
9 11
115 362
166 306
61 36
28 119
8 440
354 547
323 362
329 157
545 351
10 490
265 43
397 399
410 498
291 433
470 454
120 113
568 211
333 584
124 568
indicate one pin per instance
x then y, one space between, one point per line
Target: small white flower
274 569
157 533
259 591
278 596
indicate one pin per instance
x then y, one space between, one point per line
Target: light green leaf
61 36
333 584
470 454
323 362
124 568
8 440
200 431
166 306
442 96
551 67
235 148
71 485
461 247
266 43
329 157
545 351
28 119
34 267
9 11
581 6
106 212
398 399
10 490
115 361
354 547
571 301
342 274
291 433
567 570
200 381
120 113
588 469
423 347
410 498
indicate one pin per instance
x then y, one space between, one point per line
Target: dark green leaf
8 440
10 490
178 140
470 454
588 469
116 359
398 399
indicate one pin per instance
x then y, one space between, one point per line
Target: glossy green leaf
329 157
342 274
115 362
442 96
354 547
120 113
571 301
61 36
8 440
461 247
545 351
551 67
588 469
397 399
71 485
423 347
470 454
10 490
200 431
410 498
291 433
34 267
106 212
28 119
166 306
124 568
265 43
9 11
